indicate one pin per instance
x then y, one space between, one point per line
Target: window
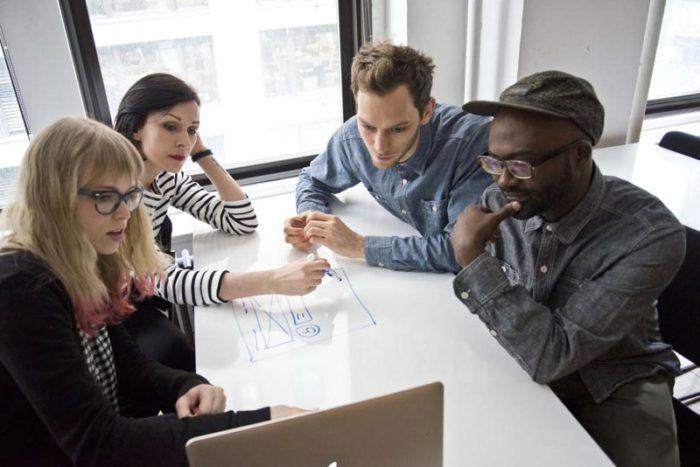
268 71
13 131
675 82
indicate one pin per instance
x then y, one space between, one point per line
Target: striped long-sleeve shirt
184 286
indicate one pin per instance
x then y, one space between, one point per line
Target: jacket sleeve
329 173
40 349
550 343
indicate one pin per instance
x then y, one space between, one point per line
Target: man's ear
584 152
136 136
427 111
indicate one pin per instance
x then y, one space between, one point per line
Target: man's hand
201 399
294 232
331 232
475 227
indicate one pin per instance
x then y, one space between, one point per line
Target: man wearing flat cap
564 266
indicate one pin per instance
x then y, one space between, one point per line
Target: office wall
600 40
40 53
437 28
441 32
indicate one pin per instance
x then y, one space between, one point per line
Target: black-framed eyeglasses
520 169
108 201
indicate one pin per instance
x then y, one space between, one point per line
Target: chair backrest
399 429
165 234
679 304
683 143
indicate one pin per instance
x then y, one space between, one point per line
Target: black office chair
179 314
683 143
679 319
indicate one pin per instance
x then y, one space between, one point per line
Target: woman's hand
299 277
201 399
284 411
198 145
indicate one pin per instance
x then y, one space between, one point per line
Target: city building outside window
13 131
267 71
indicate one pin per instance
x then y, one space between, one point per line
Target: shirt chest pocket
566 286
433 215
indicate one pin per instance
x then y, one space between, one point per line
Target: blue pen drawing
272 324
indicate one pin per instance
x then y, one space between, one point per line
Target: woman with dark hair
159 114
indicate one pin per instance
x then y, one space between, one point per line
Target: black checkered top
100 362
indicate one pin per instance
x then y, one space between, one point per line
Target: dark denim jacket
580 294
428 191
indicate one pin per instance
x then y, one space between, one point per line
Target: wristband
198 155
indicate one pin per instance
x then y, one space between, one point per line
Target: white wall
36 39
599 40
438 29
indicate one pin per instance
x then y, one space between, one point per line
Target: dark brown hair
158 91
382 67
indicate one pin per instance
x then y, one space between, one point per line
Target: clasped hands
313 227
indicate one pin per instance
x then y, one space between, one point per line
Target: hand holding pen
329 272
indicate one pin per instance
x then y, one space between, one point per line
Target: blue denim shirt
428 191
579 294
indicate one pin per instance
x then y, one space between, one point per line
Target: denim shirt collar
568 227
416 164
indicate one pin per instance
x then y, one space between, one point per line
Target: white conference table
494 413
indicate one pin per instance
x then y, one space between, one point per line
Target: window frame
668 104
354 24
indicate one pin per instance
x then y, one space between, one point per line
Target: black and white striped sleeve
187 287
233 217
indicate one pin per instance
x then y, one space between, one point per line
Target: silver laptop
400 429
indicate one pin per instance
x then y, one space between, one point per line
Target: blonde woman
79 247
160 116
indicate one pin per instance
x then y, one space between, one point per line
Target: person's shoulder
449 121
166 180
630 203
22 263
349 131
23 273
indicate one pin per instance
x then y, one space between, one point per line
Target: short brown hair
382 67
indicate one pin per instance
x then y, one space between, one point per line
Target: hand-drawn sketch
273 324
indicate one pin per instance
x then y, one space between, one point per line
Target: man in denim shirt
416 158
573 265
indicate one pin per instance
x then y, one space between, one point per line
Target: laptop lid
400 429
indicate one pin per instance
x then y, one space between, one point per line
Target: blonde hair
71 153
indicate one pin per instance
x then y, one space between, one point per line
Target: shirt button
403 211
434 208
493 332
548 228
404 181
464 295
543 269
